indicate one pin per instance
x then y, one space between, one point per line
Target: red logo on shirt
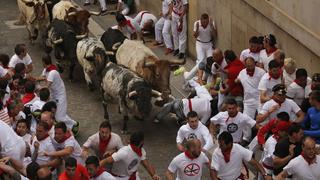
192 169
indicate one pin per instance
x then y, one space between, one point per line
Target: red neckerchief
276 137
27 97
276 76
99 172
133 176
47 135
66 136
227 154
309 160
128 23
272 50
51 67
188 155
103 144
136 149
250 73
298 82
256 51
190 104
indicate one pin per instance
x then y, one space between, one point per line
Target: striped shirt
4 116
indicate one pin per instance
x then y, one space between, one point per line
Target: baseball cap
279 89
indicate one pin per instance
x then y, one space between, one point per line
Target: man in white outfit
179 26
58 93
163 27
103 4
146 21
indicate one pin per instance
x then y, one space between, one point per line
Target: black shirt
282 150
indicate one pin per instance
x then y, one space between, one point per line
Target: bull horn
71 13
132 93
48 1
95 13
116 46
57 41
109 53
156 93
149 64
26 1
177 62
81 36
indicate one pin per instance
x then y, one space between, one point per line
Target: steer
133 94
62 38
92 56
140 59
36 14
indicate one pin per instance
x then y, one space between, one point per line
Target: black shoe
176 52
86 4
103 12
181 55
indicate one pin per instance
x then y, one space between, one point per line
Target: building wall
295 25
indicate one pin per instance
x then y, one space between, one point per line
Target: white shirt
70 142
178 6
3 72
8 139
201 132
250 85
45 146
92 142
268 149
188 169
288 106
298 93
232 169
265 59
288 78
27 138
143 16
200 105
247 53
126 161
204 33
128 30
300 169
166 6
220 69
104 176
37 105
15 60
234 125
57 88
267 83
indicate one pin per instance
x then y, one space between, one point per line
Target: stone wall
295 24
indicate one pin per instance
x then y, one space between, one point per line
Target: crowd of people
258 108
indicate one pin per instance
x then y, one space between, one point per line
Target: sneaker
157 43
168 51
75 129
181 56
179 71
176 52
86 4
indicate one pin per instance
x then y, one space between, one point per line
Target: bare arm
213 174
29 68
169 175
300 116
264 97
108 160
180 147
67 151
282 176
152 172
255 163
278 162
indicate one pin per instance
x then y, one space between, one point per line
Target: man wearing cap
279 103
128 26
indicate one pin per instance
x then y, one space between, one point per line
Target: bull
93 57
133 94
36 15
62 38
140 59
77 18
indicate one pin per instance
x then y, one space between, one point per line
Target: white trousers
179 38
204 50
61 114
162 32
103 4
16 152
250 109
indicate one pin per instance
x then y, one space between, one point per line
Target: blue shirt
312 118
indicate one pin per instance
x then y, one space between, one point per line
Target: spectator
134 152
289 71
95 171
163 27
4 61
267 54
30 96
288 148
194 130
192 155
179 27
306 165
21 56
104 143
74 171
253 51
227 160
47 117
280 56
